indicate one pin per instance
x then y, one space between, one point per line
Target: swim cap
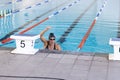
51 35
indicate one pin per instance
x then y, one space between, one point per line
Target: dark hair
51 35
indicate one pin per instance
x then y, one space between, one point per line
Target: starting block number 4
25 43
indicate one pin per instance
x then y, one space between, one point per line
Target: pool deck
54 65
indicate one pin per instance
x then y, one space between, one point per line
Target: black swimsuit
48 45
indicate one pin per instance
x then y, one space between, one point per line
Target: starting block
25 43
116 46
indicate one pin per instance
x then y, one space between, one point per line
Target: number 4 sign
25 43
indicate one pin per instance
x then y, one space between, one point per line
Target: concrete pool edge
64 65
61 52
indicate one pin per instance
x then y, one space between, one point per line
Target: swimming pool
72 22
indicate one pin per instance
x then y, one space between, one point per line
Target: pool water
78 18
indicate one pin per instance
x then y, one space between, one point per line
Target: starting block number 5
23 43
26 44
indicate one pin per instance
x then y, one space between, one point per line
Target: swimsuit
48 45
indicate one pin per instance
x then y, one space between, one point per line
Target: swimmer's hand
46 29
49 27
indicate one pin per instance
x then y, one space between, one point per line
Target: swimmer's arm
42 33
58 47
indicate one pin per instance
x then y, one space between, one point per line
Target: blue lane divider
16 11
18 0
38 4
28 7
40 22
91 27
47 18
29 22
98 14
74 23
57 12
9 3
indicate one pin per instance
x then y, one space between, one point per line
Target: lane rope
92 25
24 25
10 2
45 19
69 29
28 7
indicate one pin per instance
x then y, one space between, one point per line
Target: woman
49 44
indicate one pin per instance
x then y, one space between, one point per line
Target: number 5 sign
25 43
